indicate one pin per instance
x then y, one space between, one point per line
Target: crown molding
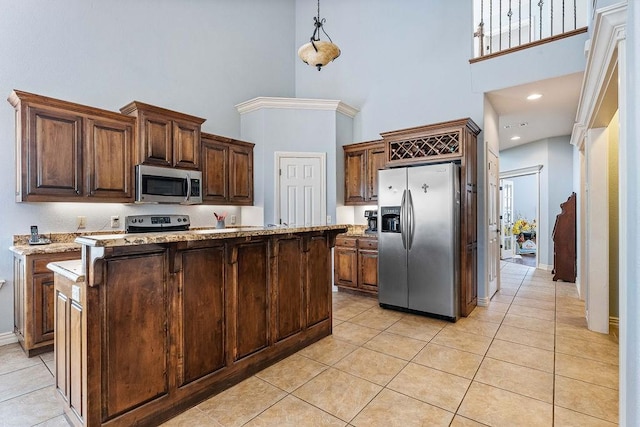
263 102
608 30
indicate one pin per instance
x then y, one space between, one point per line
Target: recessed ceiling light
515 138
534 96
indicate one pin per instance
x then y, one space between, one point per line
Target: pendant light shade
318 53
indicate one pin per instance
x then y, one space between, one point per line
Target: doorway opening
520 213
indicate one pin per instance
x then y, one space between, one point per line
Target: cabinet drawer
349 242
40 265
368 244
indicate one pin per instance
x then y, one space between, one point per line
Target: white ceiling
552 115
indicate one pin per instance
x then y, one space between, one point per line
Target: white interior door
301 189
494 224
506 188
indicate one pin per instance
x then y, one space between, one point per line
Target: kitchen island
150 324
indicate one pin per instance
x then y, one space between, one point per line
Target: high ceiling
552 115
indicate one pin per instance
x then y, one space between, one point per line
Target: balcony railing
503 25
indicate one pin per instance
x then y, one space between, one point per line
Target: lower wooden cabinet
33 300
160 327
356 263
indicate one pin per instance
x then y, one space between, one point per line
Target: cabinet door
354 177
375 161
251 298
215 171
287 278
346 272
318 280
19 288
53 162
155 139
240 175
368 270
108 159
43 299
201 303
186 144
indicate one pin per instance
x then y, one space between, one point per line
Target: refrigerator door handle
410 223
403 212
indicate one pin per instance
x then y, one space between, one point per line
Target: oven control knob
179 219
185 220
141 220
134 220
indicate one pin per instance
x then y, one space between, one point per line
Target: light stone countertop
72 269
111 240
51 248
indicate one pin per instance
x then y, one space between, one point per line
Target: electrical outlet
328 219
232 219
2 282
115 221
82 222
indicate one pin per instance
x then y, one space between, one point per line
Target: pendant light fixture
317 52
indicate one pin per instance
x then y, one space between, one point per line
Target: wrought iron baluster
500 26
551 18
510 14
540 3
490 26
519 22
530 24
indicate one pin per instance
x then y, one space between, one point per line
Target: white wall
556 157
192 56
403 64
292 130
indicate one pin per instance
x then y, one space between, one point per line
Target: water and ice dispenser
390 219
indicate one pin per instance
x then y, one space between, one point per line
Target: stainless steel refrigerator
419 239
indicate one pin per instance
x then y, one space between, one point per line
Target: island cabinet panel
160 327
70 347
54 153
251 298
135 367
201 307
318 280
287 279
108 159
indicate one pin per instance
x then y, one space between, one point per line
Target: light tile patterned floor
527 359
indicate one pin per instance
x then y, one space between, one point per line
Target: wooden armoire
564 242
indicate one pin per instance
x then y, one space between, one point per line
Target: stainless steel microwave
156 184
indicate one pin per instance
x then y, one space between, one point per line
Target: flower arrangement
523 226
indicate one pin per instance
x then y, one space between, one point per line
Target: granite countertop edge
195 235
51 248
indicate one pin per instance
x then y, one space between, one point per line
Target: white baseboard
483 302
614 326
545 267
8 338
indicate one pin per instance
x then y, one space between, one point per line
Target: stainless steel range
156 223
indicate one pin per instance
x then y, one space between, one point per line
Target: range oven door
166 185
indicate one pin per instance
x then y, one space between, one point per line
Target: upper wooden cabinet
227 170
165 137
361 164
71 152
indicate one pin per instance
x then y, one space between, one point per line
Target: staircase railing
503 25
